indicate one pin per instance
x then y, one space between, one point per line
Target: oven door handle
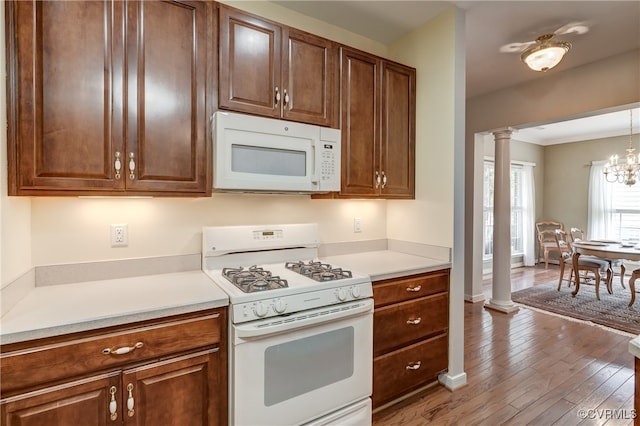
303 319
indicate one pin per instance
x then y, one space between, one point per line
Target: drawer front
406 322
66 359
398 290
402 371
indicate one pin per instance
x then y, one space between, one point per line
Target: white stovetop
60 309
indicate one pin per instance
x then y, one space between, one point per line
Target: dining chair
585 263
577 234
545 231
632 281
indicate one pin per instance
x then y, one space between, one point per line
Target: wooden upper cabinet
378 127
398 131
75 113
276 71
167 126
360 123
64 92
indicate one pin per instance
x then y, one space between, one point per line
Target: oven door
319 364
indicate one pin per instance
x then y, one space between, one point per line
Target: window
625 212
517 209
614 208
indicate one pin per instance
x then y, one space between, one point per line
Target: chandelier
624 172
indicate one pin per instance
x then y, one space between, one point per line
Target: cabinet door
83 402
310 76
360 123
65 82
167 127
180 391
398 131
250 52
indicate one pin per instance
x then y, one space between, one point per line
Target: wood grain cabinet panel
400 372
176 377
410 333
96 106
402 323
276 71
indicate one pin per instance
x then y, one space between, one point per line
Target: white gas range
300 349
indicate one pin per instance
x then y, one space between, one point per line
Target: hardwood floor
529 368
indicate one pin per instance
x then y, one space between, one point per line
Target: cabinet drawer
398 290
81 355
407 369
406 322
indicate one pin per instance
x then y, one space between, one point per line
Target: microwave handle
316 164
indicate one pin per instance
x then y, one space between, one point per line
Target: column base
453 382
505 306
474 298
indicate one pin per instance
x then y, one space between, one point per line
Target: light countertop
67 308
385 264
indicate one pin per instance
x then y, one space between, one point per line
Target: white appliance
300 332
257 154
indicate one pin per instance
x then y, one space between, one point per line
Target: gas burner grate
253 279
318 271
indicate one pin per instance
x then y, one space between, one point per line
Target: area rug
611 310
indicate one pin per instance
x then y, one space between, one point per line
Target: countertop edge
96 324
405 272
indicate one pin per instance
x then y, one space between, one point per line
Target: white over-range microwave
256 154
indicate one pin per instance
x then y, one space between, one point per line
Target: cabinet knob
377 180
117 165
413 365
132 166
113 405
277 97
414 289
414 321
123 350
384 179
286 98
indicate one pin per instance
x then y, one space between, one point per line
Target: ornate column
501 286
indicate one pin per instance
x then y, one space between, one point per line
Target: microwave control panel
329 166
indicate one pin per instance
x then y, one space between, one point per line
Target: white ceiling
614 28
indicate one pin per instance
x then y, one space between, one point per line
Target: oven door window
268 161
300 366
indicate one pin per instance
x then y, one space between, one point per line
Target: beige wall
567 177
54 230
431 50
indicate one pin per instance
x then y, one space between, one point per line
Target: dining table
606 249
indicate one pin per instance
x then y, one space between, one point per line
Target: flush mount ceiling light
546 53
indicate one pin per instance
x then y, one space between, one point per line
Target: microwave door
255 161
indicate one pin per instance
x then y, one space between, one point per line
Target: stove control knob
342 294
355 292
280 306
260 309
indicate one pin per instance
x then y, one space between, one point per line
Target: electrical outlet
119 235
357 224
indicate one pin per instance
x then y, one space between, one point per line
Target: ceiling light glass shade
546 54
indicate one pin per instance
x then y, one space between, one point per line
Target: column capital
503 133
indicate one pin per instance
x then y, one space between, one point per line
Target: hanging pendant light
625 172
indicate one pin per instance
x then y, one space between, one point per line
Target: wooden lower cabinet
410 334
168 379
